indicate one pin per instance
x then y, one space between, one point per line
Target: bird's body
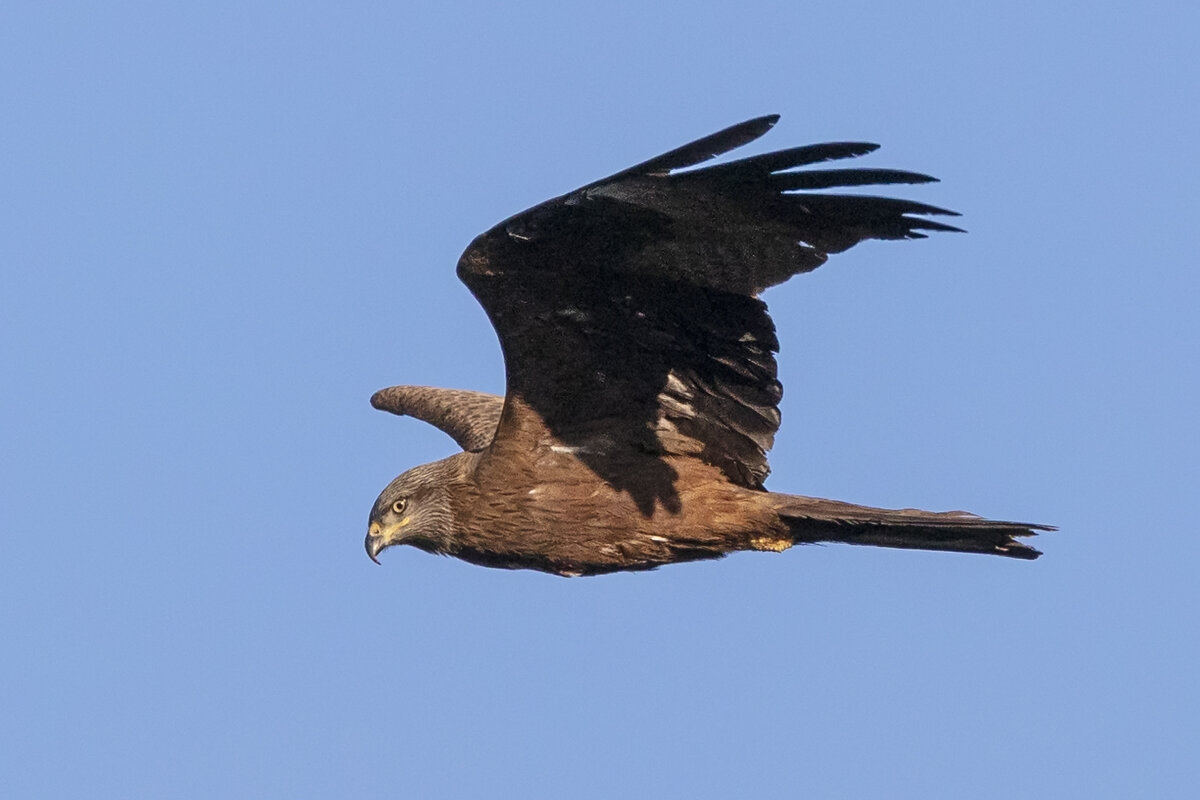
642 394
543 508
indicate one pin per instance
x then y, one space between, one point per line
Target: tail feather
812 520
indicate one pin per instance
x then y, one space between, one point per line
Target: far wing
627 310
469 417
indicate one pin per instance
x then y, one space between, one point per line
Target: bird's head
413 509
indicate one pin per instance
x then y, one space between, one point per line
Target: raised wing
469 417
626 309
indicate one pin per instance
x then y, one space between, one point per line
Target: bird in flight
642 392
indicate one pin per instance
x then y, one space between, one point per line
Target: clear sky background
223 225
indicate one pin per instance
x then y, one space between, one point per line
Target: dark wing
469 417
626 310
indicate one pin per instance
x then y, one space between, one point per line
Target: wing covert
470 418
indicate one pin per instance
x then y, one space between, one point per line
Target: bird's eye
399 506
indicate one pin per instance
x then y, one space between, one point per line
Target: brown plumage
641 379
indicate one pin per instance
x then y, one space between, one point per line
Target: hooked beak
379 538
374 541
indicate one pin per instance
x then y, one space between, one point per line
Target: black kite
641 392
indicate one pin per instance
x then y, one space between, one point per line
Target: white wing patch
597 445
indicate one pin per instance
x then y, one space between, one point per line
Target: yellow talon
774 545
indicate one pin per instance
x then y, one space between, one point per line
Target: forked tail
812 520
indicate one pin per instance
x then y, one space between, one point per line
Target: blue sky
223 226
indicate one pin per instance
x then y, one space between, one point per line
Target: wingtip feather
697 152
387 399
769 120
